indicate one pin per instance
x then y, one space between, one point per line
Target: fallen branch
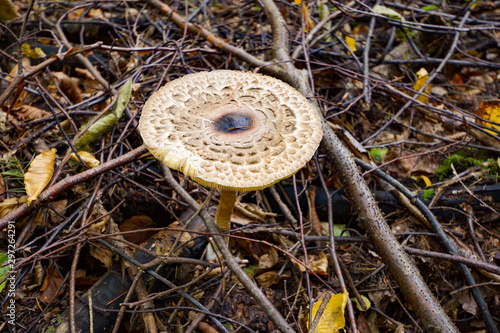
50 193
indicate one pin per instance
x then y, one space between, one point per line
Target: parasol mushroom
230 130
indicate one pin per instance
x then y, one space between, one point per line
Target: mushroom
230 130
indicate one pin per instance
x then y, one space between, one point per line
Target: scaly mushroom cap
231 130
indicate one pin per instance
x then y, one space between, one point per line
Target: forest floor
411 87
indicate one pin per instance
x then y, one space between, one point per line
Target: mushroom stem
225 210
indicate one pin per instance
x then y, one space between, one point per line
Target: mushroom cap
231 130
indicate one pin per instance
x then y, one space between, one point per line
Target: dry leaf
28 112
69 86
10 204
316 263
407 162
90 84
39 174
8 12
36 53
206 328
102 254
313 214
138 222
351 43
490 110
267 279
309 24
51 285
333 318
458 82
426 180
2 187
268 260
56 210
468 303
422 77
14 71
86 157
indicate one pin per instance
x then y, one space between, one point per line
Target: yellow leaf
332 319
39 174
422 77
10 204
34 54
490 110
13 72
86 157
351 43
367 302
426 180
8 12
309 24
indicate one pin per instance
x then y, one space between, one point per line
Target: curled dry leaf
86 157
35 53
39 174
102 254
316 263
69 86
268 260
267 279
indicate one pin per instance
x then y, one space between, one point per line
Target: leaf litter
452 125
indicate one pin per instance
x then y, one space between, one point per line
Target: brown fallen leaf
90 84
69 86
313 215
268 260
267 279
51 285
137 223
28 112
10 204
2 188
206 328
102 254
316 263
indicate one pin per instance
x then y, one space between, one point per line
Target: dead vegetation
92 221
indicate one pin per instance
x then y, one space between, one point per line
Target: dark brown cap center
234 123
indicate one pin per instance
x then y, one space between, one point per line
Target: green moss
461 162
428 193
